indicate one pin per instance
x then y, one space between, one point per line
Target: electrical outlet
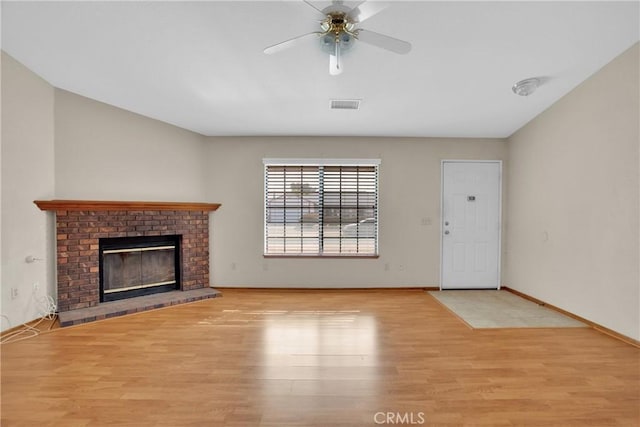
14 293
36 286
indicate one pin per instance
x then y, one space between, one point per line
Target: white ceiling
200 65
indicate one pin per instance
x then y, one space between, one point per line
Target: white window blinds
323 209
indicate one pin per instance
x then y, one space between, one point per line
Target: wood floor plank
316 358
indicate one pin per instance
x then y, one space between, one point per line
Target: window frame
320 163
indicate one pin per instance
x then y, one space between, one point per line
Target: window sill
322 256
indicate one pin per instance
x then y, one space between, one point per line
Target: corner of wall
574 200
27 174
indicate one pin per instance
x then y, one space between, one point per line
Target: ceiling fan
339 28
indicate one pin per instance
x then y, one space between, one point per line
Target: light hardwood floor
317 358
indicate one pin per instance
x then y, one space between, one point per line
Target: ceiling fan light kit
339 30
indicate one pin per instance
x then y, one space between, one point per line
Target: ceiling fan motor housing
338 30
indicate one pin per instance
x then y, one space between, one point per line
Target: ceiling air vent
345 104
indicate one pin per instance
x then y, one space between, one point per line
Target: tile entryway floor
501 309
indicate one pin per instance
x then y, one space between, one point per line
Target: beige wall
104 152
409 193
27 175
573 200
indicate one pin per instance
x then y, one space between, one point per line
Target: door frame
499 163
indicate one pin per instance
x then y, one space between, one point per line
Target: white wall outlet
36 286
14 293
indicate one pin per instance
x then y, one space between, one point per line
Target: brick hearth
80 224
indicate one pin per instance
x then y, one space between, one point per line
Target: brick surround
78 230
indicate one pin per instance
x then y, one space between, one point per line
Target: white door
470 251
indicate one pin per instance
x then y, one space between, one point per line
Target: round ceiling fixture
526 87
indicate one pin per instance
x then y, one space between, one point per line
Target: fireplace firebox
135 266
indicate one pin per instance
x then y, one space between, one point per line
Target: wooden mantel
103 205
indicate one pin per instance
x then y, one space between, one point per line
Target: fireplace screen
138 266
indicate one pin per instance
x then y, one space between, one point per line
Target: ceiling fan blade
366 10
289 43
311 4
335 62
335 68
385 42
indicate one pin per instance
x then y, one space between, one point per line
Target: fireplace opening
136 266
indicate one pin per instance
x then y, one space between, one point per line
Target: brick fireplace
81 224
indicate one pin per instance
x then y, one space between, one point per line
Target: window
321 207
